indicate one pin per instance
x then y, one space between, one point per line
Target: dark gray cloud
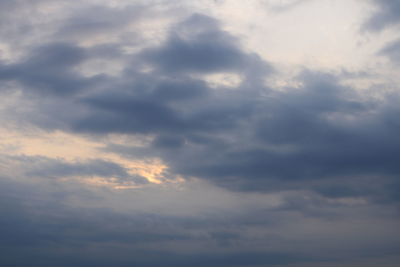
388 14
392 51
305 134
165 102
47 231
41 228
91 21
48 69
206 50
44 167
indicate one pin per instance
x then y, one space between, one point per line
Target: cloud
386 15
44 167
303 134
392 51
91 22
49 224
48 69
251 137
260 175
197 45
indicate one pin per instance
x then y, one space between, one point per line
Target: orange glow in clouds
72 148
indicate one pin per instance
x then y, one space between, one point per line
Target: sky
200 133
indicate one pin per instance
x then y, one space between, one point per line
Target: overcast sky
200 133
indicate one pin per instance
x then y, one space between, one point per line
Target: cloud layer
213 172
